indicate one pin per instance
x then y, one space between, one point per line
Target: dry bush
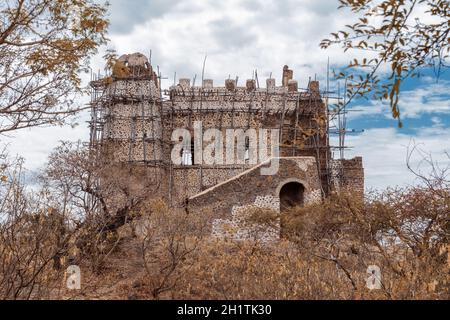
168 239
66 219
403 231
249 270
101 195
136 248
325 255
34 235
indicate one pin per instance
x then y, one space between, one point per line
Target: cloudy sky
240 36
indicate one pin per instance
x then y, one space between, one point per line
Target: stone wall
348 174
299 117
138 121
230 199
133 127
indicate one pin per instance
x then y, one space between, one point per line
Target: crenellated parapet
230 96
137 123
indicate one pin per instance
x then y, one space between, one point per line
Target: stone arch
291 193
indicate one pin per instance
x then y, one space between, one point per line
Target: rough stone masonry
133 121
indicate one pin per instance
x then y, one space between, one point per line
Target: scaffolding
304 130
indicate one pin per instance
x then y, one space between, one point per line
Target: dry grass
325 254
143 249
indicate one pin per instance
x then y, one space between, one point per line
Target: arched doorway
291 195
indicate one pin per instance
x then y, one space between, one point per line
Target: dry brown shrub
325 255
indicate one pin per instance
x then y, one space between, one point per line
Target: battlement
230 88
133 79
289 88
230 96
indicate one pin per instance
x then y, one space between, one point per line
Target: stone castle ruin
134 121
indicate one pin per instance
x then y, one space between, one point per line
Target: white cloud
125 14
35 144
429 98
384 153
238 36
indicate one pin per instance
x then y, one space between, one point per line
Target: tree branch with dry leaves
44 44
399 40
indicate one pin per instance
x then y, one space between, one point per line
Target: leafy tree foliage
44 44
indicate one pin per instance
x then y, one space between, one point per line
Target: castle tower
133 131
